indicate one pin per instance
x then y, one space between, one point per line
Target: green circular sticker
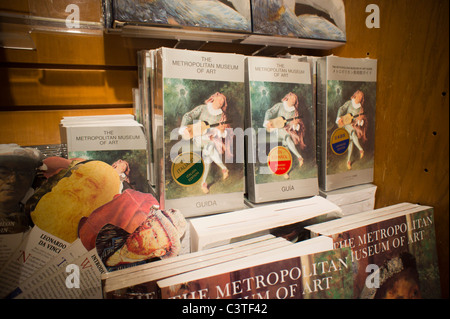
339 141
187 168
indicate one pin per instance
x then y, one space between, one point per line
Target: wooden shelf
200 38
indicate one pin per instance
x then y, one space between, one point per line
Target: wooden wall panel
42 127
47 88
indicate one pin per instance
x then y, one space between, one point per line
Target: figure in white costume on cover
351 117
211 142
292 133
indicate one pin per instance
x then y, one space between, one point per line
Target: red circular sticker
279 160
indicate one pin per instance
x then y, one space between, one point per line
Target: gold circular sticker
279 160
339 141
187 168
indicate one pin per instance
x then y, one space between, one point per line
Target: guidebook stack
144 100
280 126
346 100
199 143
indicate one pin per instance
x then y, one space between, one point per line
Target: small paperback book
118 140
280 127
200 141
346 99
393 249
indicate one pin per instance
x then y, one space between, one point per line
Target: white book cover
353 199
118 141
281 157
202 98
346 101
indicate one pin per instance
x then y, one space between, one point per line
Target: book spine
250 141
321 120
158 137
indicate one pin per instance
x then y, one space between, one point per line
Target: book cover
201 143
396 257
231 15
18 169
320 275
346 101
280 127
120 142
79 188
323 19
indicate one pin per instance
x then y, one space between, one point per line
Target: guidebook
199 141
280 127
118 140
346 100
394 249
